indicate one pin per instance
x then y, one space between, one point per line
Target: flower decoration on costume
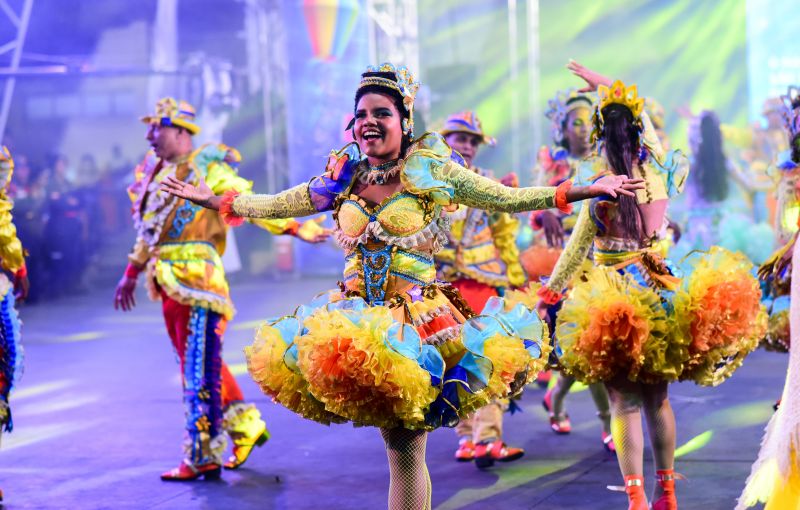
466 122
560 106
403 83
618 93
791 110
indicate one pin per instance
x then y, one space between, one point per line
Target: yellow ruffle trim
351 369
719 308
267 366
611 325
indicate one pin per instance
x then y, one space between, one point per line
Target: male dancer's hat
466 122
170 112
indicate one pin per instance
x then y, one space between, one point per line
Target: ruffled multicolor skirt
420 361
635 318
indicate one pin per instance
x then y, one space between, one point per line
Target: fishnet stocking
410 483
627 399
661 424
626 425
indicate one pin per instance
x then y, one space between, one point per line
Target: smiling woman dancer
629 322
393 348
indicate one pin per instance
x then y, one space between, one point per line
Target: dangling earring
406 127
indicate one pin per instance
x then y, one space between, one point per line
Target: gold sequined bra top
394 240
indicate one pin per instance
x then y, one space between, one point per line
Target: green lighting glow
694 444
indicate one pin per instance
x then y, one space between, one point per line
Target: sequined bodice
400 215
389 246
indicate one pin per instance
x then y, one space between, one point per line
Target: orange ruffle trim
226 209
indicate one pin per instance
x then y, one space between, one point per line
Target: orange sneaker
487 453
466 450
187 472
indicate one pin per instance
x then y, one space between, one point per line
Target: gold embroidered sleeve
504 232
291 203
474 190
571 259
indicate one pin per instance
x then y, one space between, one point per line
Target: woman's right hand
614 185
200 194
592 78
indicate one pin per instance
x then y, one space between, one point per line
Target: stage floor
98 417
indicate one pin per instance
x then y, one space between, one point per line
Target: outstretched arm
286 204
474 190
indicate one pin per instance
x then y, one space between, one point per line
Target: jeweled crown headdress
560 106
791 110
403 83
618 93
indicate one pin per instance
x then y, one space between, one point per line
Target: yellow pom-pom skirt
634 317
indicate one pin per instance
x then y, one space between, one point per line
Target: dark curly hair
392 94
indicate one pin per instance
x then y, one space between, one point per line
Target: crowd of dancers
441 317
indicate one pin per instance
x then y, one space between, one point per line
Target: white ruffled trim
237 415
219 304
432 314
443 336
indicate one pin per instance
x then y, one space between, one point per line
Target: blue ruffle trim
11 364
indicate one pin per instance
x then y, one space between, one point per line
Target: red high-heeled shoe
666 479
634 488
187 472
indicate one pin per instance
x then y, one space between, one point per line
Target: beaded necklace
379 174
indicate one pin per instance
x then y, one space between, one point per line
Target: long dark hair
392 94
621 142
796 148
709 166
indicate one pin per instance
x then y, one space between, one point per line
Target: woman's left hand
614 185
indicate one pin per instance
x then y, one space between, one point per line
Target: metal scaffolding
20 23
393 32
